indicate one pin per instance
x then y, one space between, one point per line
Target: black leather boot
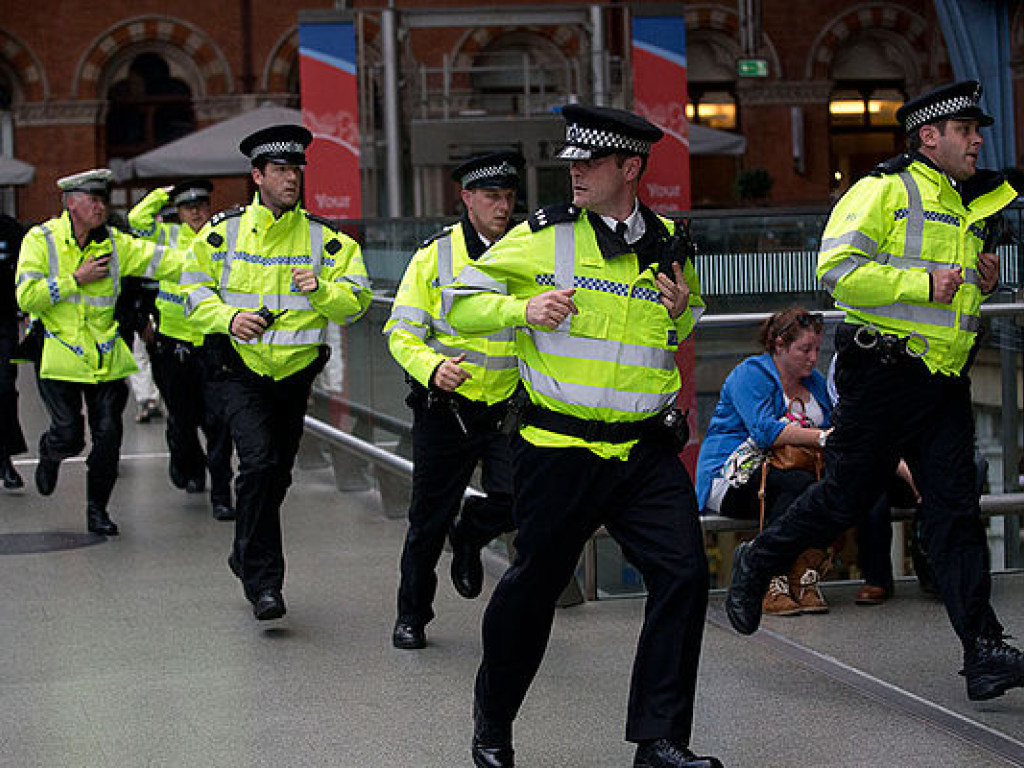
9 475
746 592
46 475
492 743
992 668
467 570
665 753
99 521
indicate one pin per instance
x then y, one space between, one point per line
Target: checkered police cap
495 170
277 144
952 102
596 131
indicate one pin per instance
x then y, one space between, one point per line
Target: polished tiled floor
140 651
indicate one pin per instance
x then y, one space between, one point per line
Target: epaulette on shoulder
331 224
892 165
553 214
230 213
437 236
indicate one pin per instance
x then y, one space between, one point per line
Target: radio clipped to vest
677 248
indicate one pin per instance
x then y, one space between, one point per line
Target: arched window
869 75
149 106
520 73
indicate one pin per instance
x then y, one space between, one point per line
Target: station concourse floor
139 650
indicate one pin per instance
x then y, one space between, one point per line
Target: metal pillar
598 55
392 130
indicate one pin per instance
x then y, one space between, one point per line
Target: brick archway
27 74
283 57
929 56
474 41
726 21
214 72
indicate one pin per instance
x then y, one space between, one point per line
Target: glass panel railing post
1009 429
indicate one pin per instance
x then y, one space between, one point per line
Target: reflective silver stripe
316 246
444 261
194 277
603 350
418 331
565 264
940 317
971 277
273 301
489 362
114 267
593 397
914 243
362 282
53 260
196 297
98 301
231 240
29 275
291 338
474 281
854 238
175 232
842 269
154 262
159 235
409 312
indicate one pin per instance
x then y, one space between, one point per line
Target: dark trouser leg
954 535
12 439
179 380
105 403
659 531
484 518
65 436
557 508
218 441
266 419
874 544
443 461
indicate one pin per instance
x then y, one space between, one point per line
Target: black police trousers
444 458
887 410
12 439
648 506
265 418
193 404
65 437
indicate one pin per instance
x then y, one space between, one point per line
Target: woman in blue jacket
769 400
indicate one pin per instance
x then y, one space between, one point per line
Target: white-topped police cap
191 191
285 144
94 182
596 131
495 170
958 101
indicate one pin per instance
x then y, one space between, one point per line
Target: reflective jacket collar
263 217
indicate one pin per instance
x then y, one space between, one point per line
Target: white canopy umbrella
15 172
212 151
711 141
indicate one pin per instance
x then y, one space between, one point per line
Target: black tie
621 229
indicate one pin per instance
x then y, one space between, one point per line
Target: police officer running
271 275
903 255
69 278
601 294
176 353
460 390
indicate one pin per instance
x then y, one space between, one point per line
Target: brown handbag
810 458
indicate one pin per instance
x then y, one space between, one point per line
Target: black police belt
592 430
887 346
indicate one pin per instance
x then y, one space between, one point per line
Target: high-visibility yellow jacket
420 338
242 260
170 300
885 236
612 362
82 342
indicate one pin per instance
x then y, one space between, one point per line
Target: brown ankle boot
779 601
805 577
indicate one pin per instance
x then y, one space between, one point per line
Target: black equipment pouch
30 348
677 248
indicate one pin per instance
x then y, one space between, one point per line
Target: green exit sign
752 67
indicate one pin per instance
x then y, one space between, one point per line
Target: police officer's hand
945 283
449 375
93 269
988 271
305 279
247 326
550 308
675 295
